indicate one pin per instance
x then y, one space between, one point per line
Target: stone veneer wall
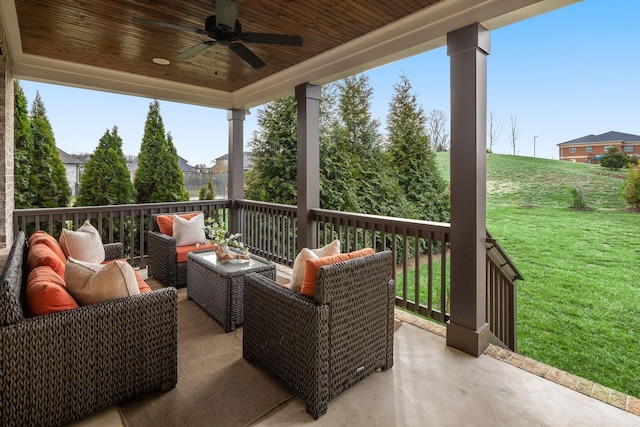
6 144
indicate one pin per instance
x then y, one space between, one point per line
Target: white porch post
6 142
468 48
308 109
236 166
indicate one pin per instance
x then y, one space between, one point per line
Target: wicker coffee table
219 288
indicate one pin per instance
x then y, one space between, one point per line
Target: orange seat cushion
41 254
311 270
48 240
46 292
182 251
165 222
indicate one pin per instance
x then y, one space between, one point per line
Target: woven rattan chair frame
161 256
63 366
321 346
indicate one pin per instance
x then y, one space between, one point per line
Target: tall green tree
106 179
412 157
48 176
337 186
274 146
24 198
375 184
158 178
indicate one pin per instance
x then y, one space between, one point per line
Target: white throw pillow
105 283
300 262
331 249
189 231
299 265
84 244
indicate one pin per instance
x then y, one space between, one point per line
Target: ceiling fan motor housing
213 28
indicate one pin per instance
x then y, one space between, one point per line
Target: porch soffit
95 45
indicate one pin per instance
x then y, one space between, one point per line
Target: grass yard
579 305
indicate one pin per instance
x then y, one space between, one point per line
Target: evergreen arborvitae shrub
158 178
632 188
48 180
412 157
24 198
106 179
207 192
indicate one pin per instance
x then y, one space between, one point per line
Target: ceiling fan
225 29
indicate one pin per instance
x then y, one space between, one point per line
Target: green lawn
579 306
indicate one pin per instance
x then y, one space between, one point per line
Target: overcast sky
563 75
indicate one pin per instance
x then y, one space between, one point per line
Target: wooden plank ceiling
102 34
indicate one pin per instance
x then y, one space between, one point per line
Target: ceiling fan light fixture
226 12
161 61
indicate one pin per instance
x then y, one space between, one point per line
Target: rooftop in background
605 137
222 162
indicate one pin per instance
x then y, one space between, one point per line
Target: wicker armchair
321 346
59 367
161 251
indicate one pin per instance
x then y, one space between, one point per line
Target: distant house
184 166
590 148
74 166
222 163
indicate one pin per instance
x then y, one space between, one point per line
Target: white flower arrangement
217 234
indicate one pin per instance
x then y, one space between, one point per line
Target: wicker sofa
62 366
321 346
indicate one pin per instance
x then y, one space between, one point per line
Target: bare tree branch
437 130
515 133
495 129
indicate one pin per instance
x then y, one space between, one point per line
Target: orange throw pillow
311 271
46 292
42 255
47 239
165 222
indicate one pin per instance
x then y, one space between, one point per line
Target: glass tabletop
233 266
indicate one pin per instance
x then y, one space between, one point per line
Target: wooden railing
502 275
422 280
420 248
128 224
269 230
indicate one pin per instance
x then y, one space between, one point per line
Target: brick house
590 148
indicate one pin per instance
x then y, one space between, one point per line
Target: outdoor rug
216 386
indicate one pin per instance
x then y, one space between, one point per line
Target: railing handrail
385 221
267 205
103 208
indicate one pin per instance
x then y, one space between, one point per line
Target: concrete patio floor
432 384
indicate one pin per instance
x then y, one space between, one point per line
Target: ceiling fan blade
166 25
265 38
226 12
194 50
245 53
